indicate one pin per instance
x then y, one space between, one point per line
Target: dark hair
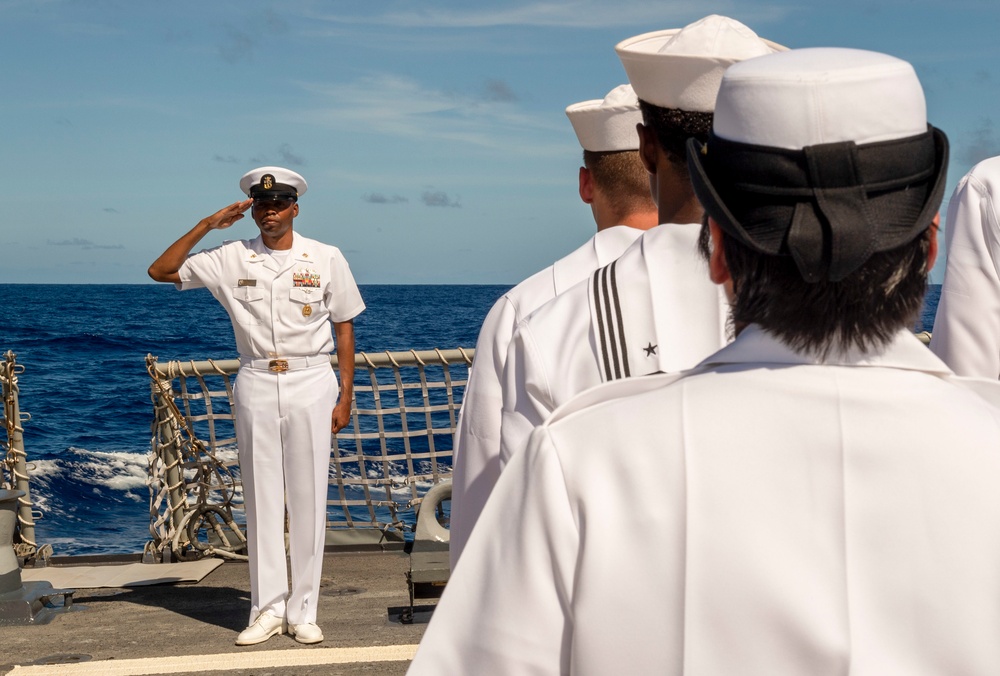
673 127
622 178
864 310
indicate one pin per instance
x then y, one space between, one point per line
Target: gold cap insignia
267 181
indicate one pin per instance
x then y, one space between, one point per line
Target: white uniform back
657 312
477 439
762 515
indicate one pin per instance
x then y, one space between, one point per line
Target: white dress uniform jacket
266 300
967 327
763 514
653 310
281 307
477 438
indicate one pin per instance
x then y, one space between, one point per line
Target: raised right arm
166 267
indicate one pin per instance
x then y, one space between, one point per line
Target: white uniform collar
610 240
255 250
300 252
655 308
606 246
755 345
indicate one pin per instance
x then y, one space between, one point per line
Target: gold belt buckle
277 365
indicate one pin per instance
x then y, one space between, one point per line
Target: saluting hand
165 268
225 217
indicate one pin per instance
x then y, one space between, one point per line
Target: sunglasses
277 203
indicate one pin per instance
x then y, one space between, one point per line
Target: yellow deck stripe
222 662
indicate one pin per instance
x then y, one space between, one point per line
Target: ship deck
191 628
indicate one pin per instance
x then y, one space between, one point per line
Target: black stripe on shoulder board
611 323
602 347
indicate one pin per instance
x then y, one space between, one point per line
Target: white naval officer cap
607 125
273 182
823 154
682 67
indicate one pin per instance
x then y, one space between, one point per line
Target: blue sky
431 132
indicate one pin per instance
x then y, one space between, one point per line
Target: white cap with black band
822 154
273 182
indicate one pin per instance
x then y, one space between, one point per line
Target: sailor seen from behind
613 183
967 326
818 497
654 309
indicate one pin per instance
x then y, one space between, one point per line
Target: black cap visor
276 191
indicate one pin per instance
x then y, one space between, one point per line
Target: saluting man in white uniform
613 182
282 291
818 497
654 309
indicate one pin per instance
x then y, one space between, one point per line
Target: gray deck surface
359 594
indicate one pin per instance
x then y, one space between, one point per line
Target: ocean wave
114 470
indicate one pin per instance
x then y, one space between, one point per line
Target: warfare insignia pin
267 181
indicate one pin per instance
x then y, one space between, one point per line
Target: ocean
83 348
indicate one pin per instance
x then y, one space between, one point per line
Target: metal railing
398 445
13 458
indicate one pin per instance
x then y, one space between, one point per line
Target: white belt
282 364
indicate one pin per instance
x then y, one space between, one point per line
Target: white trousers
283 435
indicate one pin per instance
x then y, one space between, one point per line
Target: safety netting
397 446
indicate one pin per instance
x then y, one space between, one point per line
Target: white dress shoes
264 627
306 633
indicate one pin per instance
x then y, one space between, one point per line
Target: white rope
14 472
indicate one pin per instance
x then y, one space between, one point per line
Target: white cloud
85 244
399 106
554 13
380 198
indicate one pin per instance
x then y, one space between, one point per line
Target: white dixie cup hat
607 125
823 154
682 67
